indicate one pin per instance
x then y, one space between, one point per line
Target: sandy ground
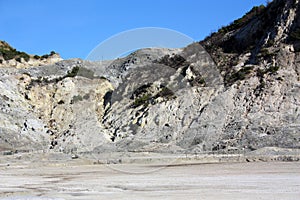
258 180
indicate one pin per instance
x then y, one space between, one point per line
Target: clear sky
74 27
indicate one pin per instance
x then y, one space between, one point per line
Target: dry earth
257 180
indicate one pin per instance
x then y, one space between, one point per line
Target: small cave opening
107 98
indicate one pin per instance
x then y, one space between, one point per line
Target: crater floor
257 180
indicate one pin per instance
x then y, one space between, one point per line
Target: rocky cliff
239 89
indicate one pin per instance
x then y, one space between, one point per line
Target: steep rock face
155 106
258 56
57 104
240 92
19 127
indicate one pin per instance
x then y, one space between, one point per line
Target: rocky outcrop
62 103
239 89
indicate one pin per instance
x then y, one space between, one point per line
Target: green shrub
9 53
18 59
76 98
25 56
144 100
86 96
144 95
73 72
36 57
201 81
46 56
272 69
165 92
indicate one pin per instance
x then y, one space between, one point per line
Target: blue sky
74 27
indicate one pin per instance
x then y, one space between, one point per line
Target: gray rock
158 100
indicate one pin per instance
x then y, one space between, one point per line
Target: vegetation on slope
8 53
253 34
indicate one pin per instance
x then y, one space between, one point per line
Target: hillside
10 57
236 91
